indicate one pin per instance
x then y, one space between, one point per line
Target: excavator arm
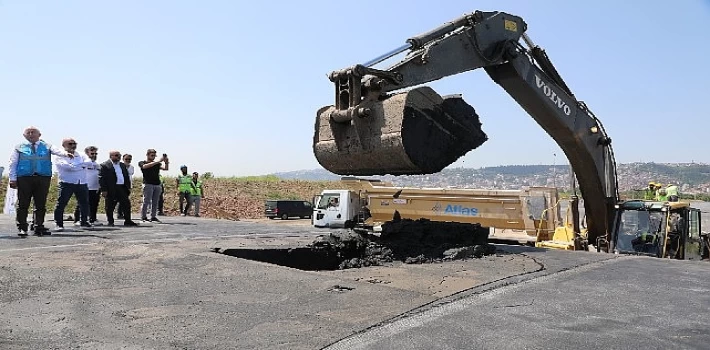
377 127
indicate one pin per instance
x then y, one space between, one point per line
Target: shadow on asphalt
96 228
63 235
75 235
509 248
12 237
120 226
106 228
175 223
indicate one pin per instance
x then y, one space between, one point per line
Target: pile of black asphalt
406 240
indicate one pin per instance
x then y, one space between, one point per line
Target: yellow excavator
386 121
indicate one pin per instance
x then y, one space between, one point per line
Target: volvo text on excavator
385 121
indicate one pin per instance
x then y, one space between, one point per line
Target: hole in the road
409 241
297 258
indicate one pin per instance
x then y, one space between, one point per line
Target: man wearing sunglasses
92 183
151 168
72 182
115 186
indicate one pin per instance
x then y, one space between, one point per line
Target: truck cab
660 229
337 209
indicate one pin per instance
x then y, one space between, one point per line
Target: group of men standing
657 192
30 172
190 191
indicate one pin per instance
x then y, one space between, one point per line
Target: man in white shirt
92 183
127 159
72 181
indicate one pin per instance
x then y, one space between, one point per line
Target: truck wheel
284 216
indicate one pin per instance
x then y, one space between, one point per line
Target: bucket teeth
410 133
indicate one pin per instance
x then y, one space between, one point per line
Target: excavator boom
377 127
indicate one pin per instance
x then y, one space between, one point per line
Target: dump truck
523 216
387 121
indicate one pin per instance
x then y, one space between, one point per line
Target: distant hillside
692 177
310 175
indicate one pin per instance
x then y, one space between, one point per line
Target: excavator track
415 132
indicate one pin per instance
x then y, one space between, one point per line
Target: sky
232 87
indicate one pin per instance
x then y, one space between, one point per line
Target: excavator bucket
415 132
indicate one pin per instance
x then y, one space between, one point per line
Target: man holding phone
151 183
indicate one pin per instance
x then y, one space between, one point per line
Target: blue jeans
66 190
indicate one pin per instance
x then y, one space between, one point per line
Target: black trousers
94 198
32 188
184 198
161 200
120 210
119 195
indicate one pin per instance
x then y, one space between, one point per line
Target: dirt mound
409 241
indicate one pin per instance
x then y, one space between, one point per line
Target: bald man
115 186
30 172
72 182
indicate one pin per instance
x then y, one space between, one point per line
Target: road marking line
48 247
181 237
195 238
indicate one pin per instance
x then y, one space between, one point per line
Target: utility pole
554 170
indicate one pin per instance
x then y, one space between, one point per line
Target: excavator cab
659 229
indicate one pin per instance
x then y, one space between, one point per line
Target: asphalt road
621 303
162 286
171 229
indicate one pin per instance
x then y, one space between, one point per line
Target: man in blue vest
30 172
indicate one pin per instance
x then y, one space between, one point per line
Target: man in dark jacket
115 187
